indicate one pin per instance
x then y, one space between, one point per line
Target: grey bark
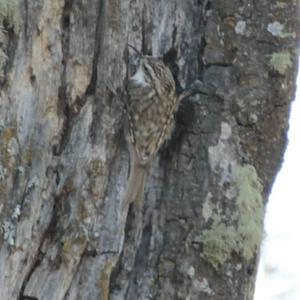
64 162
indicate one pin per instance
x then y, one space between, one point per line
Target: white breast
138 77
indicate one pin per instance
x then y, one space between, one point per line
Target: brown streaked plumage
150 103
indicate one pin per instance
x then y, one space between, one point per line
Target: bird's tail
136 183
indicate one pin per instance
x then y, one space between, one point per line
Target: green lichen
277 29
287 35
244 233
280 61
250 212
218 242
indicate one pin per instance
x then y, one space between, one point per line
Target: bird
150 104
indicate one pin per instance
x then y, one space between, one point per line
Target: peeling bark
63 158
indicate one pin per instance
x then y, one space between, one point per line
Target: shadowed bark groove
99 36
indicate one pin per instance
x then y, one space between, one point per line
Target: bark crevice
44 244
98 50
63 98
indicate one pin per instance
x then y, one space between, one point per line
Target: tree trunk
65 233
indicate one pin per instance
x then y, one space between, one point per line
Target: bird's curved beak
136 50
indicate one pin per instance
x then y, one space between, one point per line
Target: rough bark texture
64 162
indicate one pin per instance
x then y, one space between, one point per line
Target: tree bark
65 233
